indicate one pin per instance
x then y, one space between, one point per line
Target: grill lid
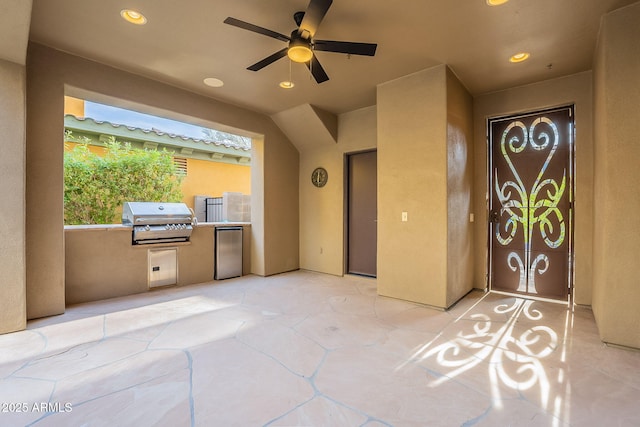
151 213
156 222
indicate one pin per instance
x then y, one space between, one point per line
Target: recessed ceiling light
519 57
287 84
133 16
213 82
496 2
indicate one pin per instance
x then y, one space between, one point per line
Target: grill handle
194 219
173 219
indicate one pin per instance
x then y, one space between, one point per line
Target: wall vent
181 165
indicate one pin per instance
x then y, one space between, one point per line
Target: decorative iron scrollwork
534 208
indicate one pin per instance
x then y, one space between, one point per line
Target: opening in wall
113 155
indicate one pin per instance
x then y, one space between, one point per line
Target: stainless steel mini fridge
228 253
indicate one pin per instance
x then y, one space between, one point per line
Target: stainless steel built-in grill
158 222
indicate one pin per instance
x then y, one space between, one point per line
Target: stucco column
12 190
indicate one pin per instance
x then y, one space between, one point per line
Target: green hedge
95 187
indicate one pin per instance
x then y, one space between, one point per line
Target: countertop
120 227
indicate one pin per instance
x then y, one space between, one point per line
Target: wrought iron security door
530 217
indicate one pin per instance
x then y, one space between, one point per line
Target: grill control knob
167 227
147 227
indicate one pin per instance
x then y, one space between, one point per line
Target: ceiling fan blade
316 69
313 16
367 49
268 60
247 26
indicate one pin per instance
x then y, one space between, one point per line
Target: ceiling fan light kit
496 2
299 50
301 45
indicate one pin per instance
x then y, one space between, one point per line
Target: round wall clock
319 177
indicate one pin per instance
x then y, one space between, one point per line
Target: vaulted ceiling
185 42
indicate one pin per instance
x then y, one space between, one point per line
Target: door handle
494 217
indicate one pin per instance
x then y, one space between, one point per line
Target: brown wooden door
530 207
362 205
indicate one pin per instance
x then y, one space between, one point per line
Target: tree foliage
95 187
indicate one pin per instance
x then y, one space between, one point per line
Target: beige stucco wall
577 90
281 164
412 178
425 168
258 265
459 190
616 290
322 225
51 74
102 264
12 206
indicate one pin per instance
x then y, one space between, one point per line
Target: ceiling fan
301 42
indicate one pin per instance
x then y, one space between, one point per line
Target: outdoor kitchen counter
128 227
101 262
223 224
97 227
